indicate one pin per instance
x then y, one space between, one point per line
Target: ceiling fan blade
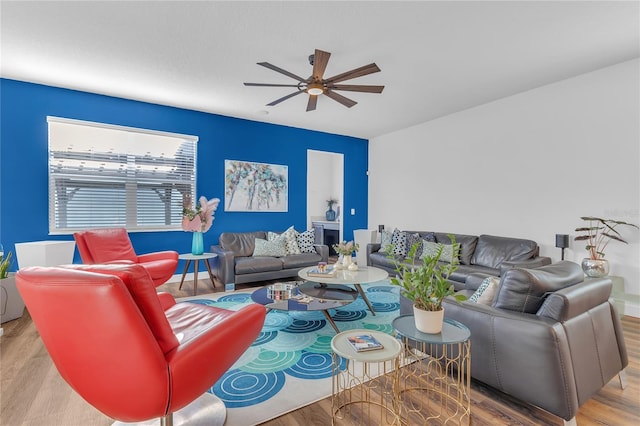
339 98
270 85
281 71
320 61
313 100
358 72
284 98
357 88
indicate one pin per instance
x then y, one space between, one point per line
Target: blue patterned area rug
289 364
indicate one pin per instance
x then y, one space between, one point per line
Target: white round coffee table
364 275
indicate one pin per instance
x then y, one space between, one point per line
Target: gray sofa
235 262
484 254
550 337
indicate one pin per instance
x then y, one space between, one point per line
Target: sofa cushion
463 271
399 242
275 248
430 249
485 294
467 244
491 251
290 240
385 240
413 238
300 260
524 290
241 243
306 240
252 265
381 259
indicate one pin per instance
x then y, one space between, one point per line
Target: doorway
325 181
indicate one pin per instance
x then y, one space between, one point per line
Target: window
103 176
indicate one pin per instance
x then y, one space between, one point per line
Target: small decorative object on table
346 250
198 221
364 342
598 235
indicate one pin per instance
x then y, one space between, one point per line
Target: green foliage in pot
5 262
599 234
426 284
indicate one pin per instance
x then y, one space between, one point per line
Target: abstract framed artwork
255 187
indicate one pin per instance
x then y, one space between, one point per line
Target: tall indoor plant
425 282
598 235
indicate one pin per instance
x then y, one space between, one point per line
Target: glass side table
364 384
438 366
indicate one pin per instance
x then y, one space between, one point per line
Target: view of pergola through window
113 176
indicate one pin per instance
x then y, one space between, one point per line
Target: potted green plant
598 235
426 283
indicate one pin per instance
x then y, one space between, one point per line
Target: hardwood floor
33 393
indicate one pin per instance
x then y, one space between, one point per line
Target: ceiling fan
316 85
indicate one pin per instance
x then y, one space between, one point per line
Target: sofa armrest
533 263
223 267
503 341
372 248
323 251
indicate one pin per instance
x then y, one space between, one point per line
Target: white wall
325 177
529 165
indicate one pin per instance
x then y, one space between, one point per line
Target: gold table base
443 380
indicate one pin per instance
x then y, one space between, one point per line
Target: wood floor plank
32 392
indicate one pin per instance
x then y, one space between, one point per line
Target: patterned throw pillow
291 242
413 239
486 292
431 249
270 248
399 242
306 240
385 240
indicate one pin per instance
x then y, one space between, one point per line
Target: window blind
103 176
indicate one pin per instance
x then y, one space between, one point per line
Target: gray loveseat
236 264
550 337
484 254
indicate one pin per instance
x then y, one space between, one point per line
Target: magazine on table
364 342
328 272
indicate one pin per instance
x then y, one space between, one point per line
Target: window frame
129 180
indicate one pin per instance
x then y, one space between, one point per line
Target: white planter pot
429 322
11 303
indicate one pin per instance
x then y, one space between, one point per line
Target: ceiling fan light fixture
315 89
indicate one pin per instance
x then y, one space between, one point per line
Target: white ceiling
436 58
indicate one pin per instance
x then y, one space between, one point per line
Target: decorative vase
595 268
353 266
339 263
330 214
197 244
429 322
346 260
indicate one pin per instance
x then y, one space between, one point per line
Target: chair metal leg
207 410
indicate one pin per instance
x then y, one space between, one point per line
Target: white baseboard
632 309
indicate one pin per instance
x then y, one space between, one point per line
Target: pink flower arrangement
201 218
346 248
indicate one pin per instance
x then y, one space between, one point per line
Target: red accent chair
133 353
114 246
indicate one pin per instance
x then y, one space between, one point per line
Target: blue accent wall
23 162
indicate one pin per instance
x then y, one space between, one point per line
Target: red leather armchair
132 353
114 245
